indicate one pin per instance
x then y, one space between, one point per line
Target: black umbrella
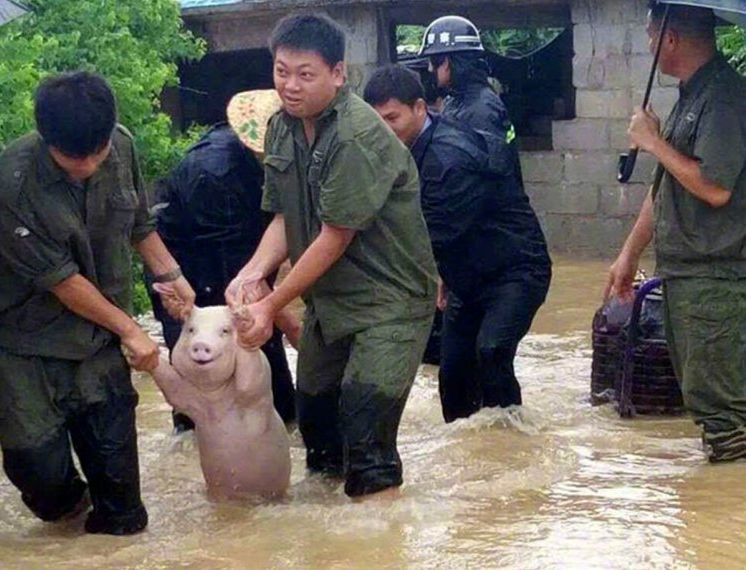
10 10
733 11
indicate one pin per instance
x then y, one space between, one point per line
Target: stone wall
573 188
232 31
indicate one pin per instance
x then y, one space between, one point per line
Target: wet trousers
48 407
705 321
351 395
479 342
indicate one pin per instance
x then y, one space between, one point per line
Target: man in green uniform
696 213
345 195
72 203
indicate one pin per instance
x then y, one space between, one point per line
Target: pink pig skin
227 391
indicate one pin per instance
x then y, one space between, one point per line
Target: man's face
305 82
442 72
80 169
405 121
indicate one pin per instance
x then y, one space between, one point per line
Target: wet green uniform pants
706 331
351 395
45 405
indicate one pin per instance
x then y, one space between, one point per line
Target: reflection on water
557 484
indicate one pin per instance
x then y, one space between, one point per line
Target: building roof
207 6
214 7
9 10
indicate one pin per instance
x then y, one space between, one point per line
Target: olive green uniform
701 255
61 376
367 319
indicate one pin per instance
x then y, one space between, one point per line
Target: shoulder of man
456 146
729 87
276 130
358 120
16 164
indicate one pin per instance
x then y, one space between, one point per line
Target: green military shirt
355 175
708 123
52 229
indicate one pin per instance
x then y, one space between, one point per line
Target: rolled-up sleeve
720 146
31 252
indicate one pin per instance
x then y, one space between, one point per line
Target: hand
442 299
177 297
140 350
621 278
246 289
254 324
644 129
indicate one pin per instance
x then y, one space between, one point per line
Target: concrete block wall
573 188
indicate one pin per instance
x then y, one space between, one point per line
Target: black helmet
450 34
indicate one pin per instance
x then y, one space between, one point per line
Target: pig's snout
202 352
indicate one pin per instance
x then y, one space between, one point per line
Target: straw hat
248 114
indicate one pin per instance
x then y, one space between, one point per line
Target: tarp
9 10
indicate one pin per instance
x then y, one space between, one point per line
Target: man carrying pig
345 197
72 204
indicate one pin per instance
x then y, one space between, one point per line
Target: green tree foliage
518 42
135 44
732 42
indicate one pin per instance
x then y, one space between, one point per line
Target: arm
451 204
253 378
271 253
325 250
644 133
623 270
289 324
688 172
81 297
178 296
177 391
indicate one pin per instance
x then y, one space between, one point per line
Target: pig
243 444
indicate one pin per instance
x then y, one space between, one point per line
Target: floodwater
559 484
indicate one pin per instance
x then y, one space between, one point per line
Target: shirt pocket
122 204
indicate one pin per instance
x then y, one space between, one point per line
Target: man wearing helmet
481 331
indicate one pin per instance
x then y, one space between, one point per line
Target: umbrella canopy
733 11
9 10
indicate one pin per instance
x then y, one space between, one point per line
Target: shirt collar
425 126
703 76
50 173
48 170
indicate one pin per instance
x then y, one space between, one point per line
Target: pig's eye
190 330
226 331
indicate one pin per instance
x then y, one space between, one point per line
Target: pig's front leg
253 377
178 391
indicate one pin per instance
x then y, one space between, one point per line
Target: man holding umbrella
696 211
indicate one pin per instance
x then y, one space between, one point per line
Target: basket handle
626 410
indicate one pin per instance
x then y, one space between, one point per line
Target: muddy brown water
559 485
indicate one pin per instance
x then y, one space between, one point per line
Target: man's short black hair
75 112
310 32
393 82
690 22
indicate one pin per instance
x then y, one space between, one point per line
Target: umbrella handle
627 160
626 165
